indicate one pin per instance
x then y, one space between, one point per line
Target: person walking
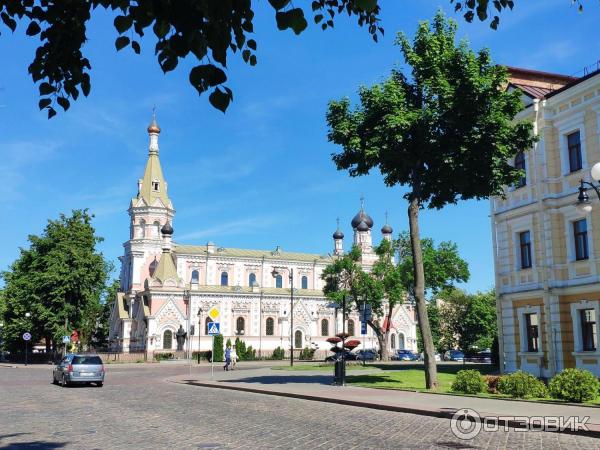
234 357
227 358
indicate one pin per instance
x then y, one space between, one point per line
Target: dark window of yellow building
525 249
588 329
532 326
574 144
520 164
581 239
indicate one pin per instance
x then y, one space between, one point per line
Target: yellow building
545 248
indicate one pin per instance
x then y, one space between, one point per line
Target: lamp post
260 311
1 341
27 316
583 200
275 273
199 332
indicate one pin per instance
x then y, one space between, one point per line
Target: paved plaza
140 408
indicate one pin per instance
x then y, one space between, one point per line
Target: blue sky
260 175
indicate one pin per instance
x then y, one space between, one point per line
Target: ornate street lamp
199 333
584 204
275 273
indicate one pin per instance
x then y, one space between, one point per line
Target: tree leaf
278 4
367 5
32 29
220 99
136 47
251 44
62 101
46 89
45 102
123 23
122 41
51 112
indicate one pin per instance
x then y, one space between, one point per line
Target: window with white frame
520 164
580 241
532 332
587 318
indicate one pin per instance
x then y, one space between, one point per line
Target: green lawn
412 379
323 367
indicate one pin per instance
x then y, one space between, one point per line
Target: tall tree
102 319
207 30
478 326
445 131
58 280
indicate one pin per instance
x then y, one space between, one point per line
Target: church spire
153 185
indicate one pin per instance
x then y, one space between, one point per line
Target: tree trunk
419 293
382 340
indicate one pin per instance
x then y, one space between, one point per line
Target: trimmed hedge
574 385
278 353
307 354
218 354
469 382
522 385
163 356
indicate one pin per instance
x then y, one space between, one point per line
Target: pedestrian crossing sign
213 313
214 328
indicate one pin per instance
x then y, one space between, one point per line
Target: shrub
469 382
492 383
218 348
163 356
522 385
278 353
574 385
250 354
307 353
204 354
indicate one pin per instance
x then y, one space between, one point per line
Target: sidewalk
317 386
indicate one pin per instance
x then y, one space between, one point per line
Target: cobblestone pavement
136 408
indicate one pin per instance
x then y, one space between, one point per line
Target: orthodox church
168 287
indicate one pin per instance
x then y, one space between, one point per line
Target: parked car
367 355
349 356
405 355
454 355
480 357
84 369
438 357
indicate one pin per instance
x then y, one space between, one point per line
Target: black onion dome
363 226
167 229
338 234
386 229
362 217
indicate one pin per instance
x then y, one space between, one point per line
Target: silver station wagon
84 369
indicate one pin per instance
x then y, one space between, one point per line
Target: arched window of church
239 325
393 341
270 326
401 341
351 327
142 229
206 322
278 281
304 282
324 327
153 266
156 230
195 277
224 279
251 279
167 340
298 339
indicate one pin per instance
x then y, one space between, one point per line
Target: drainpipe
544 269
500 330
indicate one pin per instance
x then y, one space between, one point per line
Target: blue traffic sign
214 328
26 336
363 328
66 339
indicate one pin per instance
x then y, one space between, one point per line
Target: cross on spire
386 217
362 202
337 220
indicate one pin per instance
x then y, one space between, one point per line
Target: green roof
249 290
247 253
166 268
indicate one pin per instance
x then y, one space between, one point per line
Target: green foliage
574 385
102 328
61 276
228 344
307 354
522 385
250 354
204 354
469 382
442 264
218 352
164 356
433 314
278 353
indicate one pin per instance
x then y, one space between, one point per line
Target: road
139 408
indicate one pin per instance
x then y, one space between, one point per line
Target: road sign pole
212 358
26 352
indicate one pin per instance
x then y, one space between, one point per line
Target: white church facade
166 285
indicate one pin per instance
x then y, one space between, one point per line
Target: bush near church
522 385
307 354
278 353
469 382
574 385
